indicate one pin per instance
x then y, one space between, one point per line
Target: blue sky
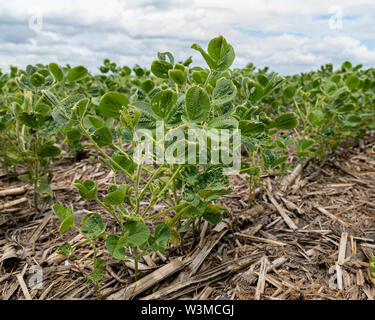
288 36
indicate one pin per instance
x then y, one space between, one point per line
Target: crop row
47 111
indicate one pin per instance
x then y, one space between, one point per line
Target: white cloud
289 36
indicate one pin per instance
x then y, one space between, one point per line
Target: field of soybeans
177 181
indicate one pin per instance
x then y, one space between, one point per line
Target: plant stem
165 211
162 191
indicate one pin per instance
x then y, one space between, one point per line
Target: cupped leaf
212 213
136 233
221 52
224 92
250 127
177 76
347 107
160 240
286 121
197 104
254 90
111 104
103 137
316 117
77 73
87 189
163 102
116 195
289 92
61 212
37 79
116 246
352 82
92 225
304 144
65 249
66 224
222 123
160 68
56 71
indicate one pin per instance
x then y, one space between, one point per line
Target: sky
289 36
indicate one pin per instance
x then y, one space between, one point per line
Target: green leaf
111 104
96 276
49 128
352 82
286 121
87 189
163 55
67 224
163 102
160 240
33 120
160 68
116 196
197 104
221 52
212 213
224 92
254 90
316 117
304 144
80 108
185 227
37 79
116 246
269 158
262 79
73 135
250 127
56 71
103 137
147 85
44 188
279 161
136 233
94 121
209 60
354 119
92 225
289 92
77 73
61 212
348 107
65 249
222 123
47 150
177 76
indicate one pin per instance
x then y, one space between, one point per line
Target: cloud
289 36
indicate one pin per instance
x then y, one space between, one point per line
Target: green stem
165 211
162 191
150 180
103 153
